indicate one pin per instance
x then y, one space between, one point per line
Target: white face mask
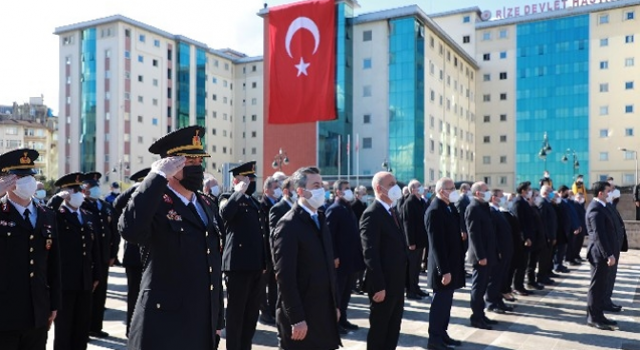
76 199
421 190
537 201
509 205
454 196
394 193
40 194
348 195
558 199
503 201
25 187
277 192
609 197
616 193
95 192
293 195
317 198
214 191
116 191
529 194
487 196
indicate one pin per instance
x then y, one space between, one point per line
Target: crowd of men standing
291 258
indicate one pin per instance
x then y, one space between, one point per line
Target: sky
29 61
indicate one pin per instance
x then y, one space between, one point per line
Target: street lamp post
576 163
120 171
545 149
635 157
280 159
386 165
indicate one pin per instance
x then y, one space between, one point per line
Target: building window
503 97
466 39
503 75
155 101
487 119
224 100
628 39
214 97
367 35
224 150
486 139
141 38
604 64
604 156
154 121
156 43
486 160
604 87
628 132
629 15
155 82
366 63
486 98
140 99
254 85
604 132
604 110
226 66
629 62
140 139
486 77
604 42
140 58
254 117
603 19
140 119
254 101
155 63
367 119
503 55
466 19
486 36
367 142
628 85
503 138
366 91
486 57
629 155
502 34
503 117
254 134
503 159
253 150
628 109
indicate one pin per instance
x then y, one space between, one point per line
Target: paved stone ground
551 319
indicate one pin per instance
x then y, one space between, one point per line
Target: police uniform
80 269
29 264
105 231
243 261
180 305
132 261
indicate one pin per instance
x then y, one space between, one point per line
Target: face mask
546 176
609 197
487 196
394 193
579 181
454 196
76 199
610 183
429 194
95 192
192 177
40 194
348 195
509 205
327 195
251 189
558 200
116 191
552 195
616 193
502 202
277 193
293 196
364 198
421 190
25 187
537 201
317 198
529 194
214 191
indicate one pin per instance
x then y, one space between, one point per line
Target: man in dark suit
550 228
504 243
106 233
80 265
578 204
600 254
180 305
244 259
636 199
571 221
521 209
412 214
132 260
289 197
385 255
446 263
347 249
307 312
271 194
29 263
483 252
360 204
620 240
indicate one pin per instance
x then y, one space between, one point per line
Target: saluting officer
105 231
180 305
244 257
80 265
132 261
29 258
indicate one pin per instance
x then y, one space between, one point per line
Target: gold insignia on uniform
196 139
78 179
49 243
25 159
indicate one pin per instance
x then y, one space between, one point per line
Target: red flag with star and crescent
302 62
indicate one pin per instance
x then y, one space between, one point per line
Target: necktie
395 218
27 219
193 209
315 219
78 217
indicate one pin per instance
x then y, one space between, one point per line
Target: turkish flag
302 62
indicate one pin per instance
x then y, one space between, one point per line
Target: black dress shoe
412 296
422 293
497 310
99 334
343 331
599 325
609 322
612 308
554 275
522 292
506 307
349 326
535 285
480 324
451 342
267 319
547 282
574 263
488 321
437 346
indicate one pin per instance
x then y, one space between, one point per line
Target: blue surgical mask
429 194
327 195
95 192
551 195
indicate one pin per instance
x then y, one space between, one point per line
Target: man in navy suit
600 254
385 254
523 211
412 214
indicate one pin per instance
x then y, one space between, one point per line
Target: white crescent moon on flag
302 23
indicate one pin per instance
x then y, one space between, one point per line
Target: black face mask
251 189
192 177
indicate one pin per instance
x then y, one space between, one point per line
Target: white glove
241 186
7 183
169 166
63 194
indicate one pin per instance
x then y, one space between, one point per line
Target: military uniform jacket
105 228
29 269
244 223
79 252
131 257
180 305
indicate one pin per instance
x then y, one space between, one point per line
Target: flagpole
339 154
349 158
357 160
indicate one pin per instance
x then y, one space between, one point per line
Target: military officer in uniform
180 305
29 258
244 257
132 261
80 265
108 240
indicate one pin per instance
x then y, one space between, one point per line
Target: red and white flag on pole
302 62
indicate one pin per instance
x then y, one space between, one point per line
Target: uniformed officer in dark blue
180 305
106 234
244 257
132 260
80 265
29 257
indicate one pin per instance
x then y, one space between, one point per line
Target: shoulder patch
167 199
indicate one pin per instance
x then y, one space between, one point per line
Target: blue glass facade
406 98
329 132
88 101
201 79
184 80
553 97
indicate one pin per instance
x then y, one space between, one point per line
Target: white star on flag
302 67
